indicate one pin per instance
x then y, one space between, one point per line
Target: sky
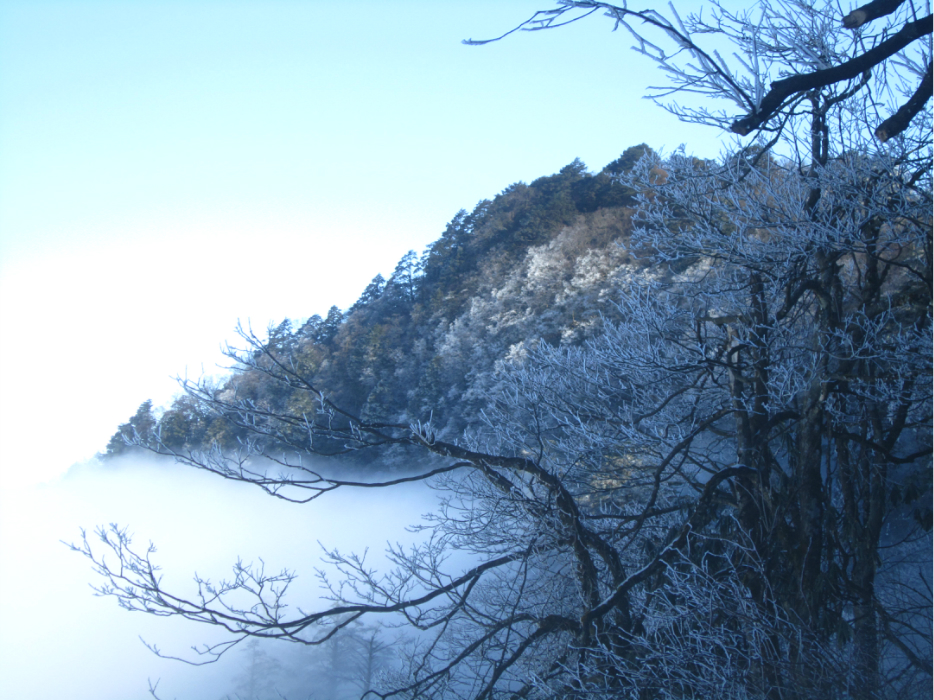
169 168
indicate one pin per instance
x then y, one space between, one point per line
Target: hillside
535 264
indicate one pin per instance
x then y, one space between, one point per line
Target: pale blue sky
169 167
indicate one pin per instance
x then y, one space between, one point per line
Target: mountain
536 264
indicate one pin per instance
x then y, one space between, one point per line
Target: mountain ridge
537 263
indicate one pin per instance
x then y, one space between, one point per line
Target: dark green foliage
403 285
628 159
182 425
142 424
280 337
321 330
325 330
373 291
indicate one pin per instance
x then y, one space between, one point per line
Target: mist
59 640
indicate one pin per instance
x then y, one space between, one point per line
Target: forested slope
534 264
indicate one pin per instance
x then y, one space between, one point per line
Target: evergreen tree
403 284
313 329
183 425
141 424
330 326
280 337
445 258
628 159
374 290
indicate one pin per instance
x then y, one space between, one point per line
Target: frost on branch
787 52
722 490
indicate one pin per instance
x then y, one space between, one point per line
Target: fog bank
58 640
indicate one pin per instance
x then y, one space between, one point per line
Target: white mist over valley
59 640
652 422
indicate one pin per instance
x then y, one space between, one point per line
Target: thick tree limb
699 518
788 87
870 11
899 121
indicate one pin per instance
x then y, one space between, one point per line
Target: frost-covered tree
792 52
724 493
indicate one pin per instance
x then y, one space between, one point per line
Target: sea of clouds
58 640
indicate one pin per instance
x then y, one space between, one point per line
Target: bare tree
782 67
725 494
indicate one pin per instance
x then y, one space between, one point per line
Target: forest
678 411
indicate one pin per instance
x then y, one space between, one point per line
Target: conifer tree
140 426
